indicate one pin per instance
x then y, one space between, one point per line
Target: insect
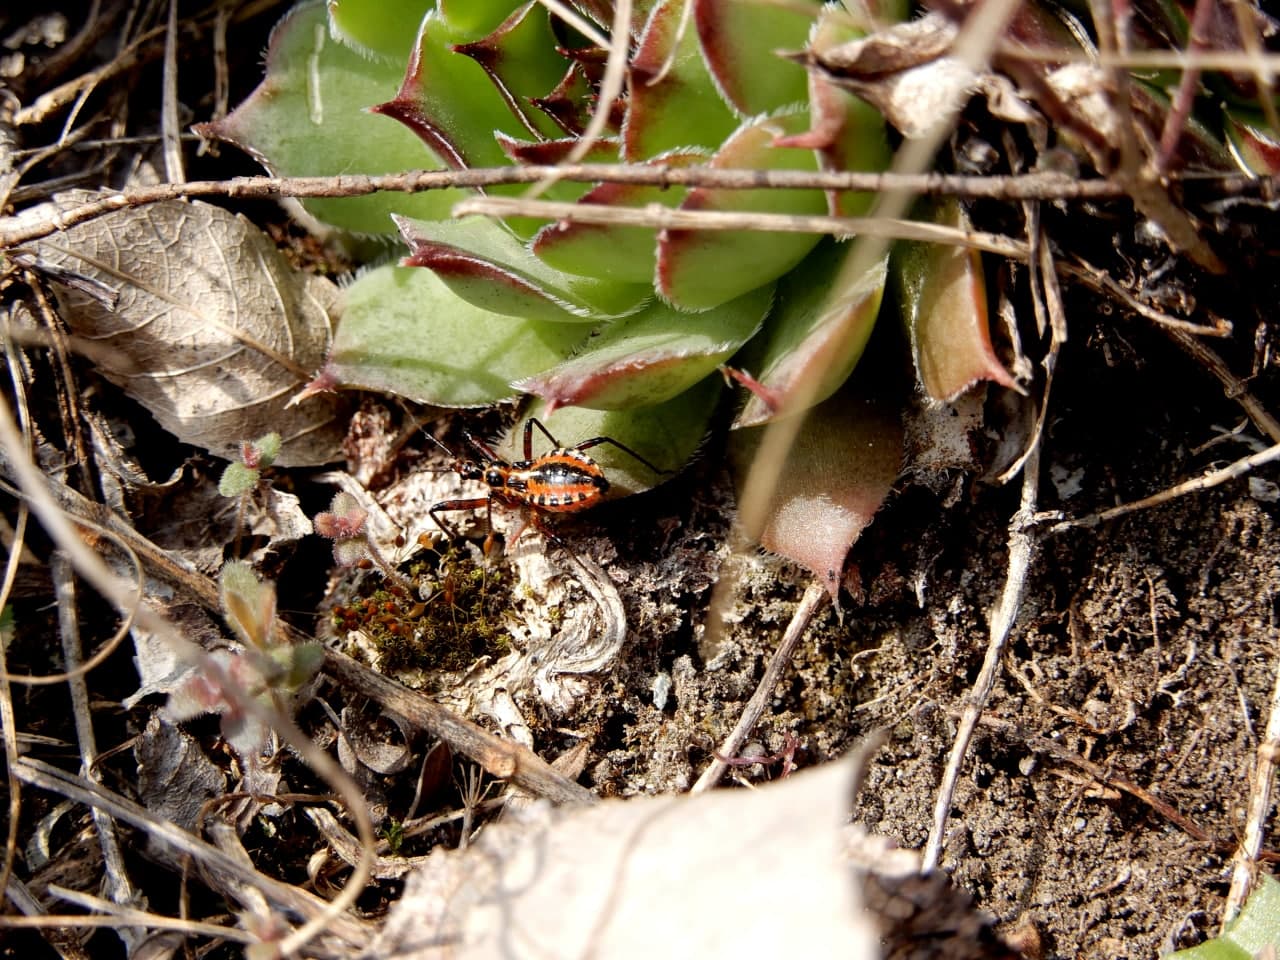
562 480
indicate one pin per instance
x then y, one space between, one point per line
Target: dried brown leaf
646 876
212 330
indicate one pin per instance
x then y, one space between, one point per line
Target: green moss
393 833
461 621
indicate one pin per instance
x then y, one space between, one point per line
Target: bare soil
1143 660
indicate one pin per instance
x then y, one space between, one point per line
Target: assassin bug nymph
562 480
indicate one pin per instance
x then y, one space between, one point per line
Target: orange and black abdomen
561 481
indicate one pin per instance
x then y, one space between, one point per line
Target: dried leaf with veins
213 331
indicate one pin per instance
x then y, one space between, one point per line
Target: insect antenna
440 444
454 462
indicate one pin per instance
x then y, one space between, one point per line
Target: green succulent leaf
448 100
943 298
520 56
383 30
673 103
1255 146
1256 928
489 268
548 152
1197 148
847 132
824 316
308 118
698 269
551 152
471 19
740 43
652 356
405 332
610 252
840 469
569 103
667 435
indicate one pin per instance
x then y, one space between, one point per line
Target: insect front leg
454 506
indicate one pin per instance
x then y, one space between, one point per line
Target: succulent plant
615 330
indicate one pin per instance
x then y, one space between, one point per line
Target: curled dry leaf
175 777
213 331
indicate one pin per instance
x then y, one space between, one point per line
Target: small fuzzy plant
266 668
241 477
618 330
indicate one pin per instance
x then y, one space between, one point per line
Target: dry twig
814 596
1040 185
1206 481
1244 870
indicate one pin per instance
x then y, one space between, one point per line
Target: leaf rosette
613 328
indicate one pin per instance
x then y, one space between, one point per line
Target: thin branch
118 915
502 758
116 879
1045 186
8 719
814 596
170 129
1175 120
659 217
45 776
1021 551
1231 384
1098 280
62 940
1244 871
1110 778
1207 481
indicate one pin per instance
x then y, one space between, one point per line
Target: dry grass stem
1206 481
215 862
116 879
810 603
1046 186
665 218
1244 870
1022 545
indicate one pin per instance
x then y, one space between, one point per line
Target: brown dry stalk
814 596
1043 186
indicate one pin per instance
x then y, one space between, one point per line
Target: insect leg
598 441
451 506
528 436
485 450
